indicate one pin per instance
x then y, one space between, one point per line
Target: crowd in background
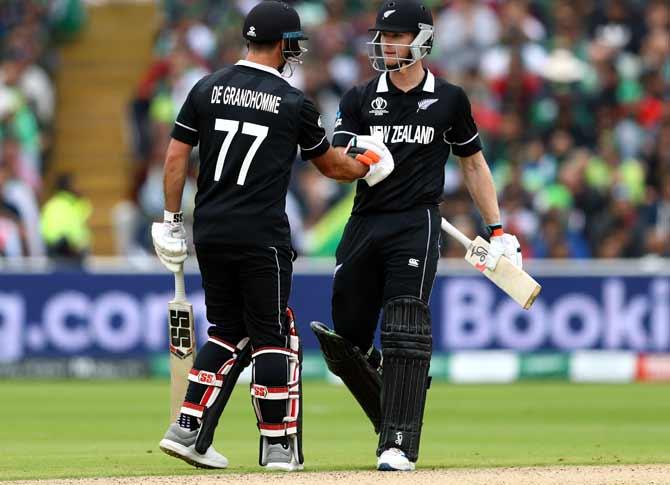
571 99
28 32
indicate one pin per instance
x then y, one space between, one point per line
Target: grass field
88 429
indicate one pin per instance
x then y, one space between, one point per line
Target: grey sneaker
180 443
280 457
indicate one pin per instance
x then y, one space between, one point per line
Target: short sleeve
462 135
312 137
347 124
186 126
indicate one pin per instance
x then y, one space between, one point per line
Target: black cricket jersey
419 128
249 123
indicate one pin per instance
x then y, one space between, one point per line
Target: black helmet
272 21
402 16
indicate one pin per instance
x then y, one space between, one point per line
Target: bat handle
179 286
455 233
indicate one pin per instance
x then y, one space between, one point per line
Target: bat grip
455 233
179 286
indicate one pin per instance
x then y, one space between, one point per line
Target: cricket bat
182 343
511 279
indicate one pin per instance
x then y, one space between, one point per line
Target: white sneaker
394 460
180 443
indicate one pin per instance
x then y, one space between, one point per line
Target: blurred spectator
18 193
65 222
516 53
570 98
11 231
558 240
515 210
472 27
658 218
27 108
617 26
32 81
161 93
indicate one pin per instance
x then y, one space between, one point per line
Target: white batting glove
502 244
169 239
360 146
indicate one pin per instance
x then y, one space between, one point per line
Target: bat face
514 281
182 351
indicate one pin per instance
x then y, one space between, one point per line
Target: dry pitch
578 475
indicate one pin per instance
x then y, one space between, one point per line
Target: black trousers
382 256
246 292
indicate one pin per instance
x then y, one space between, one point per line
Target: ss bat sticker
181 339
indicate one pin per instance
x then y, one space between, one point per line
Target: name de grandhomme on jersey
246 98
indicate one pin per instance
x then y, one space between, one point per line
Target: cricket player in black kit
249 123
387 258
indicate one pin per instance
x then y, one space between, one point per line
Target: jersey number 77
231 127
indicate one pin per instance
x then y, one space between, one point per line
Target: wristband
173 217
495 229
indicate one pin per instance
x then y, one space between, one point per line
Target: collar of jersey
260 67
385 85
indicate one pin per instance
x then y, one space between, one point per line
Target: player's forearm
175 172
348 168
335 164
173 185
479 181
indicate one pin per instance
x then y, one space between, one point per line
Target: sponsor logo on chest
420 134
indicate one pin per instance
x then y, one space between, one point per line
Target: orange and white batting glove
373 153
502 244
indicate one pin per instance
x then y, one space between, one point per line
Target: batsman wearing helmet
387 258
249 123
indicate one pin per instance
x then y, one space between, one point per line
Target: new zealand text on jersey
405 133
246 98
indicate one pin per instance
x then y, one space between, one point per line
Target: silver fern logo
424 104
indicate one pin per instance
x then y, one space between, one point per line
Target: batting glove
502 244
169 239
373 153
